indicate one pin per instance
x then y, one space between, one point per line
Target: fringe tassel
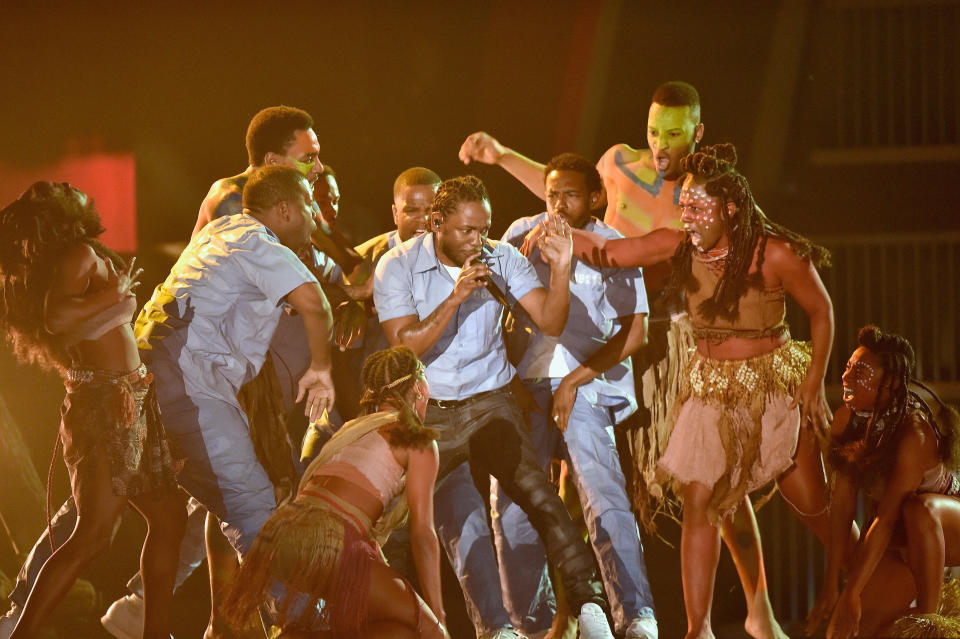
317 556
660 385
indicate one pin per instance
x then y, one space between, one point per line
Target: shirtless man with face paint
641 184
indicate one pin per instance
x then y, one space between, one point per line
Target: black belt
457 403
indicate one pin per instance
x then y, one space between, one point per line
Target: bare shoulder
226 192
778 252
625 154
917 439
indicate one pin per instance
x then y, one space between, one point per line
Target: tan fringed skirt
734 429
319 548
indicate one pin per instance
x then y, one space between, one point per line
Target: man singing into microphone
432 295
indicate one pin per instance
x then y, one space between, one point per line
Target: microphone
487 251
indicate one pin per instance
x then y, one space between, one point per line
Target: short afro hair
416 176
578 163
270 185
273 129
678 94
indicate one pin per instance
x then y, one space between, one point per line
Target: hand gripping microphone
487 251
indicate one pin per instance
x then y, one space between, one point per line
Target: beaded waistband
89 375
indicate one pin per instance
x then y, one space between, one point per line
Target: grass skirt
116 416
319 549
733 428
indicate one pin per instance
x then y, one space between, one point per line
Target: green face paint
303 167
671 135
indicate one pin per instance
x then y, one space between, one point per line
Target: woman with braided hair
895 440
324 545
742 392
64 306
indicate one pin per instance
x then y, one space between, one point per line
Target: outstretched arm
421 476
652 248
483 147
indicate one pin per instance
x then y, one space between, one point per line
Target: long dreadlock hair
870 445
380 374
745 227
36 230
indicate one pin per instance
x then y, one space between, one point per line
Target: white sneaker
593 623
642 628
124 618
9 621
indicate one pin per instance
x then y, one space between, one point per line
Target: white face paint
700 214
861 380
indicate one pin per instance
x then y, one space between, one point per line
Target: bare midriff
115 351
739 347
349 491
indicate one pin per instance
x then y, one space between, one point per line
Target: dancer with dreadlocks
65 307
324 545
744 391
895 440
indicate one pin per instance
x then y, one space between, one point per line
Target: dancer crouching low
324 545
895 440
65 307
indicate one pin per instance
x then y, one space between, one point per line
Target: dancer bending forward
897 442
65 307
324 545
747 387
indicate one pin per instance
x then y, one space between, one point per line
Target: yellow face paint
303 167
671 135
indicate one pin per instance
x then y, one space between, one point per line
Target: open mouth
662 162
847 394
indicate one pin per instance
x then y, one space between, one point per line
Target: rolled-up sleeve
393 288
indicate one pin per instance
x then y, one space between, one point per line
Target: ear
396 221
698 133
731 210
283 210
272 159
594 200
435 221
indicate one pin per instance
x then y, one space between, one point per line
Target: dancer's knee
920 517
90 539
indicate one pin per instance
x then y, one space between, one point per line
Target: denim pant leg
193 548
502 448
595 468
461 520
221 469
460 516
527 591
62 526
